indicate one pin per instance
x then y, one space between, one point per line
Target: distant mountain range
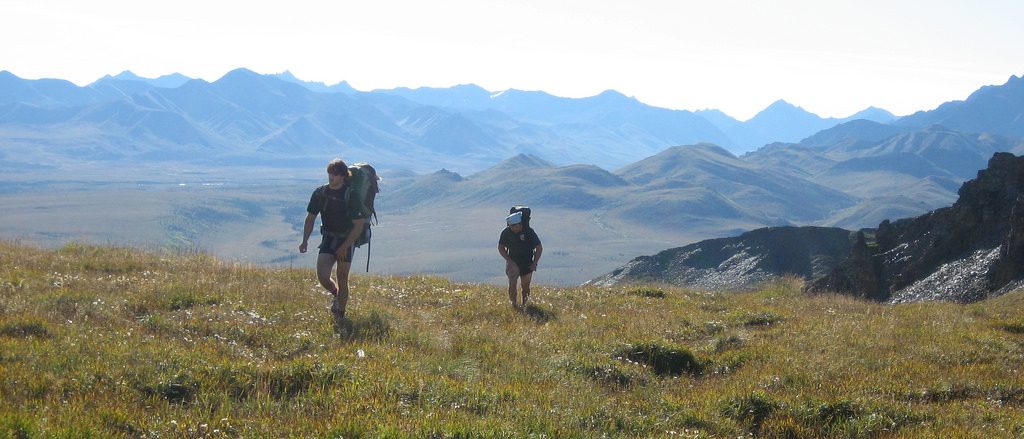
628 165
279 119
782 122
839 172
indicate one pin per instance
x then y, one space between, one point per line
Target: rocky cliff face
740 262
967 252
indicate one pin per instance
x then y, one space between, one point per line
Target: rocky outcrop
967 252
857 274
741 262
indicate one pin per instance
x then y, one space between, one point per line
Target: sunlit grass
99 342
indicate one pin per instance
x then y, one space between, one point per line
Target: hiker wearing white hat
520 246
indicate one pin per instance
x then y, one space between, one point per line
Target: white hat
514 218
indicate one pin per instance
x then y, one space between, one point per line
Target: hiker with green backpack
520 246
344 205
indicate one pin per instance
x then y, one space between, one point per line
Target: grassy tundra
102 341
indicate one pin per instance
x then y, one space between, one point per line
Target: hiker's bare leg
324 265
343 270
526 278
512 271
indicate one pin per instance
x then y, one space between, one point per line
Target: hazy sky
832 58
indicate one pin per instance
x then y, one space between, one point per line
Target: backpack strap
323 194
369 244
327 198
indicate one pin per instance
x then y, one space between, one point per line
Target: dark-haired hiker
520 247
340 227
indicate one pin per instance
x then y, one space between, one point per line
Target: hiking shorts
524 266
330 243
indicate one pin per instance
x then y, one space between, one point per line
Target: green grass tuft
539 314
608 374
1012 327
762 318
373 326
242 382
24 329
16 426
651 292
750 410
663 360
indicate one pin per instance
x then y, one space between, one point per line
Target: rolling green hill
115 342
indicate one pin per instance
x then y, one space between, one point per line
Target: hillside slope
101 342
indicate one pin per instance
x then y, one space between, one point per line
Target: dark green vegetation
102 341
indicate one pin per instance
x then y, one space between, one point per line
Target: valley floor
262 224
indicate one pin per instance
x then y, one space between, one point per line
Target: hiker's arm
503 252
307 229
357 230
536 256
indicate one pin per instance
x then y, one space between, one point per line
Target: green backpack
360 195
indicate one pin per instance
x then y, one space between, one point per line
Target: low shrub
116 421
179 388
650 292
846 418
16 427
763 318
282 382
607 374
785 427
181 298
945 393
538 314
714 327
721 344
1012 327
726 364
178 303
373 326
662 359
751 410
25 329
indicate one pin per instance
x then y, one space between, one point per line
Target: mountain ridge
739 263
970 251
610 108
998 109
966 252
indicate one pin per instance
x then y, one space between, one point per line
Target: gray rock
967 252
741 262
